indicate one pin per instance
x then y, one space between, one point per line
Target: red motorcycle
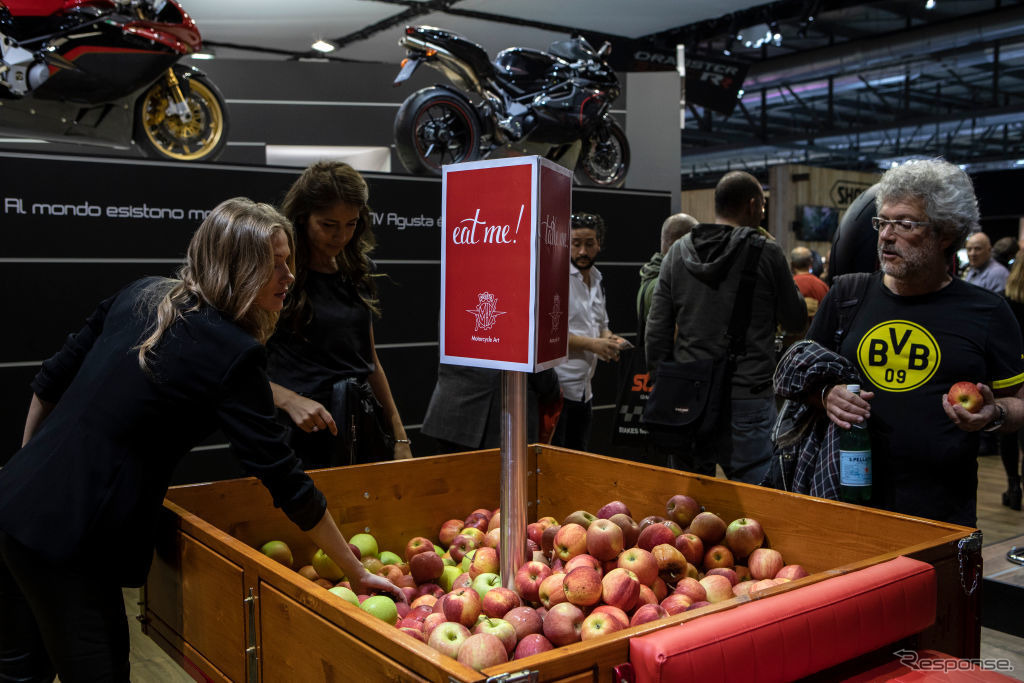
105 72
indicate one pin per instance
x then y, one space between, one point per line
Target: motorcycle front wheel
604 159
162 134
433 127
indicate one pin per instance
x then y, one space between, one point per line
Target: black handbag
694 397
363 434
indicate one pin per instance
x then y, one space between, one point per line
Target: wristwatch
998 421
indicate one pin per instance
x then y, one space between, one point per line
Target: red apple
742 588
433 621
743 572
482 650
604 539
463 580
449 530
570 541
655 534
647 596
494 522
448 638
462 544
584 560
492 539
760 585
615 507
692 588
709 527
641 562
547 539
597 624
500 629
563 623
648 613
477 520
718 588
485 561
630 529
430 589
967 395
416 633
676 603
681 509
582 586
792 572
581 517
691 547
498 601
462 606
416 545
423 601
426 567
727 572
525 620
528 579
670 561
765 563
532 644
613 611
718 556
620 588
535 532
649 520
550 591
660 588
673 527
743 536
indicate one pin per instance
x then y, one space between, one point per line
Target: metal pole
513 474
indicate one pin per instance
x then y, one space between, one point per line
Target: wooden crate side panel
804 529
298 645
212 611
394 501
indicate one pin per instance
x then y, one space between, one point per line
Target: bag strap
849 291
744 297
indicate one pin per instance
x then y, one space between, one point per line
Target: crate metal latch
525 676
251 656
969 558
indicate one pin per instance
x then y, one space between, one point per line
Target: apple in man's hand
967 395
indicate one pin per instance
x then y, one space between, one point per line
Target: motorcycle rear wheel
604 159
433 127
163 136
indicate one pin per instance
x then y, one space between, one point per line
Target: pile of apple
589 575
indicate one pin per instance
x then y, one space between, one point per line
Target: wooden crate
225 611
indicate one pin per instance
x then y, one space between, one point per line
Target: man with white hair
912 335
984 270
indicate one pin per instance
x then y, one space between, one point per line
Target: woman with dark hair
157 368
1011 446
323 362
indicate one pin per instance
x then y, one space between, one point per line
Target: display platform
220 607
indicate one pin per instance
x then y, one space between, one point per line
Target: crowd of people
266 334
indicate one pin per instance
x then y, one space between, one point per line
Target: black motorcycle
554 104
105 72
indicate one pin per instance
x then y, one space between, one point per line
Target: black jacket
696 289
90 483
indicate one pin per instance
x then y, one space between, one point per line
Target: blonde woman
156 369
1011 446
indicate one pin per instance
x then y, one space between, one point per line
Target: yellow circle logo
898 355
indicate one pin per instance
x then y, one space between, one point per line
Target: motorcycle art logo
486 311
556 312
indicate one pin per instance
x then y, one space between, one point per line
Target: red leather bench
795 633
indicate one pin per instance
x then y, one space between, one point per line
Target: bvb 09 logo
898 355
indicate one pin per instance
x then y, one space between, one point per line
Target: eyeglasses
898 225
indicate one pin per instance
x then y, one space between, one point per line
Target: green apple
448 575
278 550
326 568
388 557
485 582
345 594
467 560
366 543
382 607
438 549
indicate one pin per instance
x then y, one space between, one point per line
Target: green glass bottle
855 460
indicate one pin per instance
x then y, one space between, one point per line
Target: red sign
504 264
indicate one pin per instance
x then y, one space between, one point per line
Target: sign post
505 298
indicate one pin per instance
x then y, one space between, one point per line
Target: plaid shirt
806 440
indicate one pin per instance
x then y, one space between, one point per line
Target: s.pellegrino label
855 461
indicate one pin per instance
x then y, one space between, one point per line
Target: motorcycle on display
554 104
105 72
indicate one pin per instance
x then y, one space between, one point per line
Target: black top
90 483
909 351
334 345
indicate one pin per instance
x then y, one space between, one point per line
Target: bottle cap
853 388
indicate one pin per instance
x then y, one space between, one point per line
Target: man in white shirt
589 336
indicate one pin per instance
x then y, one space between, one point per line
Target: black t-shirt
334 345
909 351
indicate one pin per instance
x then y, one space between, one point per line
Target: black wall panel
76 229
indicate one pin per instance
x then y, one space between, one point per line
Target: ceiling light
929 4
324 46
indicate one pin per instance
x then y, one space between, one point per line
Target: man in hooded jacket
690 315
